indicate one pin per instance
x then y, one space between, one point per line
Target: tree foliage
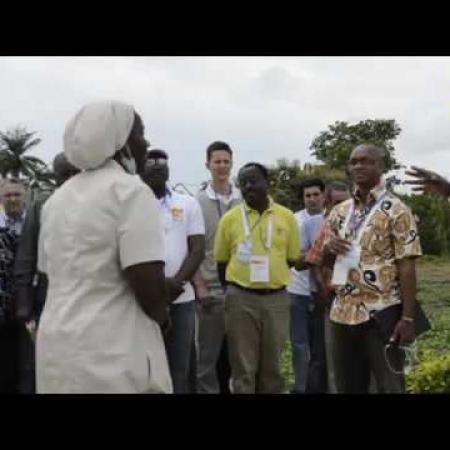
13 161
333 146
286 178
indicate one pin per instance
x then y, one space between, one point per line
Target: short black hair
60 157
337 186
215 146
312 182
260 167
157 153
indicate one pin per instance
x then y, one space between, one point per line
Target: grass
433 294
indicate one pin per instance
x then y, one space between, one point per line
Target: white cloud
267 108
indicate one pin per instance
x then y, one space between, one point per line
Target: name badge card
244 252
259 269
344 263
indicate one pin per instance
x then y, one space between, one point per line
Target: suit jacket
30 285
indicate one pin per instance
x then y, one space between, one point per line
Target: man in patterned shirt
376 242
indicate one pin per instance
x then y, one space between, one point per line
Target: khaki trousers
257 328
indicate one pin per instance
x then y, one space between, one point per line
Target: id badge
354 256
244 252
259 269
345 263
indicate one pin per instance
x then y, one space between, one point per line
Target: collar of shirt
20 218
268 210
374 194
165 201
235 195
5 219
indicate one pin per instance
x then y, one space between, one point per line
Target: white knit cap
97 132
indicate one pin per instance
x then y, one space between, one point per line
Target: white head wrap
97 132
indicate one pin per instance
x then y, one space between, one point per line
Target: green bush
286 178
434 222
431 376
287 370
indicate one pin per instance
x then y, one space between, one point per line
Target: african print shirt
390 235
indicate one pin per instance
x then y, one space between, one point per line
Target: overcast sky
265 108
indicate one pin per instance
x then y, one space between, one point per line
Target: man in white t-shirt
184 232
301 287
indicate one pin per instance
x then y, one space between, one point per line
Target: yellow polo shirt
285 244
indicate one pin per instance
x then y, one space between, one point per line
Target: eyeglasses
401 360
156 162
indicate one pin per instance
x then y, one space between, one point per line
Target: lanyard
358 226
248 231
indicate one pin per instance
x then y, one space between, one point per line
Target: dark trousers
317 381
9 362
26 361
300 340
223 369
179 346
358 352
193 369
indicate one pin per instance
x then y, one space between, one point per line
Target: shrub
287 370
434 222
431 376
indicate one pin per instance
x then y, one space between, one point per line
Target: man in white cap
101 246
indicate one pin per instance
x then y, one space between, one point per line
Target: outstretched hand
428 182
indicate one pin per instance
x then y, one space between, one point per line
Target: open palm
428 182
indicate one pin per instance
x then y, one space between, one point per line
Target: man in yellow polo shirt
256 243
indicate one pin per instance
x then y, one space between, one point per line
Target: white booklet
343 265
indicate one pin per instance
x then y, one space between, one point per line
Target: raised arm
428 182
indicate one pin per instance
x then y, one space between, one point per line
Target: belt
257 291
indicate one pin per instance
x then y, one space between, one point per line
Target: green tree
286 178
13 161
333 146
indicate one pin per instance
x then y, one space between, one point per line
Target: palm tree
13 161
